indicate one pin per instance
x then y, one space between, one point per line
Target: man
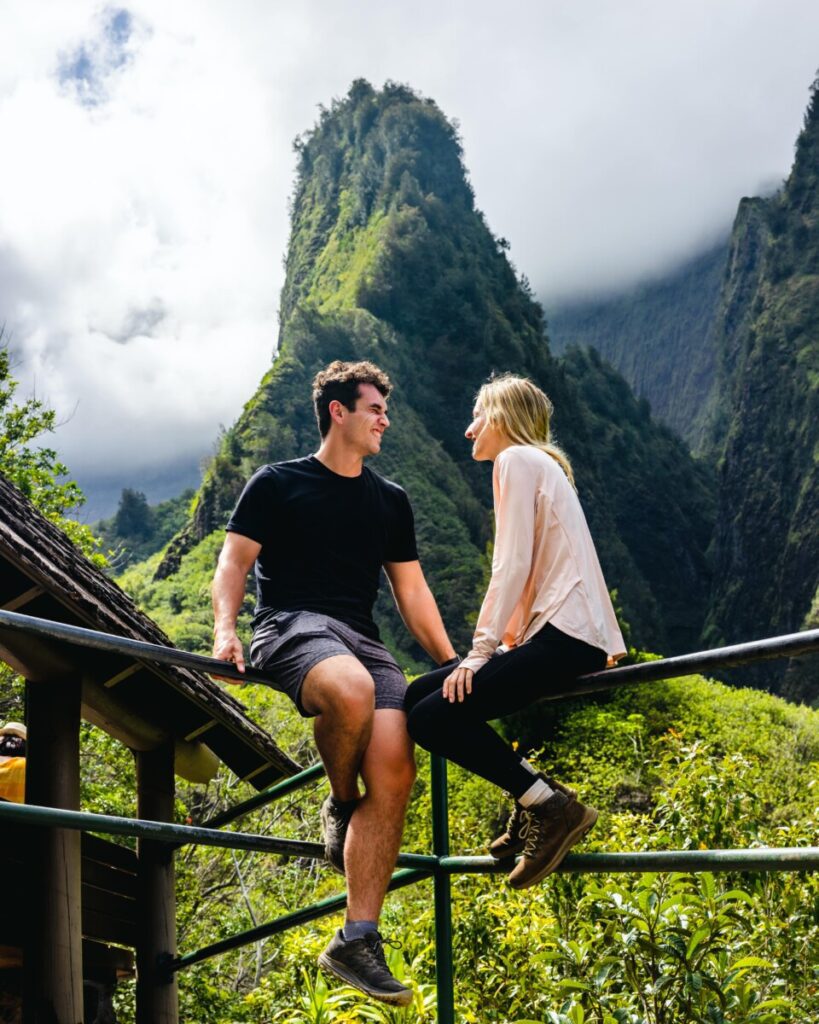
319 530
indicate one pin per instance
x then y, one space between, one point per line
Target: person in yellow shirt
13 762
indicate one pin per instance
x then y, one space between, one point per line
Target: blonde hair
521 411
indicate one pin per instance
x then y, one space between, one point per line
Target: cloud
147 164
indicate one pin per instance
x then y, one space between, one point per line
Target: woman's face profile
487 440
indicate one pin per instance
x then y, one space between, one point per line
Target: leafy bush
683 764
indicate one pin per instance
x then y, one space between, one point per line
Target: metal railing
439 865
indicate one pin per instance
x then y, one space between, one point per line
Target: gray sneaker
361 963
335 817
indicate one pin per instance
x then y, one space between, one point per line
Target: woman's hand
457 684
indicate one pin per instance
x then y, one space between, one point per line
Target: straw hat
13 729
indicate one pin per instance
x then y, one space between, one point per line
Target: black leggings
507 683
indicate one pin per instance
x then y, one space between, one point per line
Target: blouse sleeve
515 496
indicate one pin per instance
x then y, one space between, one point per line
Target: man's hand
235 561
228 647
458 684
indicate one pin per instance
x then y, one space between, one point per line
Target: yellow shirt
545 567
13 779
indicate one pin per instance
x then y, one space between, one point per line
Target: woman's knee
429 720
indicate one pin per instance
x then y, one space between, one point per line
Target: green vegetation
33 469
686 764
37 472
138 529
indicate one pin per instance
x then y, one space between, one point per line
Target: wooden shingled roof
43 574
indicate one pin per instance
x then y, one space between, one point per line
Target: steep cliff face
766 542
390 260
660 336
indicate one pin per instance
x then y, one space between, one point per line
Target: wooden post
156 993
53 992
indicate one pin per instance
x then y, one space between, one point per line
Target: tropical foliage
687 764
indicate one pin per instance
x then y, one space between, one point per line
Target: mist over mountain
389 259
660 336
727 352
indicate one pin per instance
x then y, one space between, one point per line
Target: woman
546 619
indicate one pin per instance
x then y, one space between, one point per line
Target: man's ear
336 410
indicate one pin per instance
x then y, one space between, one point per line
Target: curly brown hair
339 382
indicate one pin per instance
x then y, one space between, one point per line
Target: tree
133 519
35 470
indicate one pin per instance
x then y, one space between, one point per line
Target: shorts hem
394 704
309 664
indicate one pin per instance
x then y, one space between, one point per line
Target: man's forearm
420 613
227 593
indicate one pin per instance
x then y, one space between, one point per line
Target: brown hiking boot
550 830
511 842
513 839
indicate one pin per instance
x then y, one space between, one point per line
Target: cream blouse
544 567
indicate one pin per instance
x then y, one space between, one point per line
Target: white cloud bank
147 162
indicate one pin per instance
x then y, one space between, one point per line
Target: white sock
529 767
537 793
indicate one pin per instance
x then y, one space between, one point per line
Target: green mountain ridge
660 337
766 433
727 351
390 260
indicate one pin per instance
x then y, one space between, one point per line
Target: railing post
156 989
53 983
443 894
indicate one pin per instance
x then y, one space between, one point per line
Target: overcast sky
147 161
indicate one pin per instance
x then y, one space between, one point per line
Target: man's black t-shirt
324 538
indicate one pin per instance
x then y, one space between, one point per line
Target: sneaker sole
572 839
344 974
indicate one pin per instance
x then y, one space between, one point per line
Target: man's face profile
364 427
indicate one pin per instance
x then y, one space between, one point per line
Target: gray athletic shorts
289 644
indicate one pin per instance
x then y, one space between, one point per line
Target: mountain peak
390 260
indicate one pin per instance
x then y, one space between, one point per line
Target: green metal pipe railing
414 868
788 646
281 924
140 650
166 832
442 892
762 858
267 796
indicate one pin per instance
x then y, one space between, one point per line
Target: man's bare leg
376 827
373 836
340 692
